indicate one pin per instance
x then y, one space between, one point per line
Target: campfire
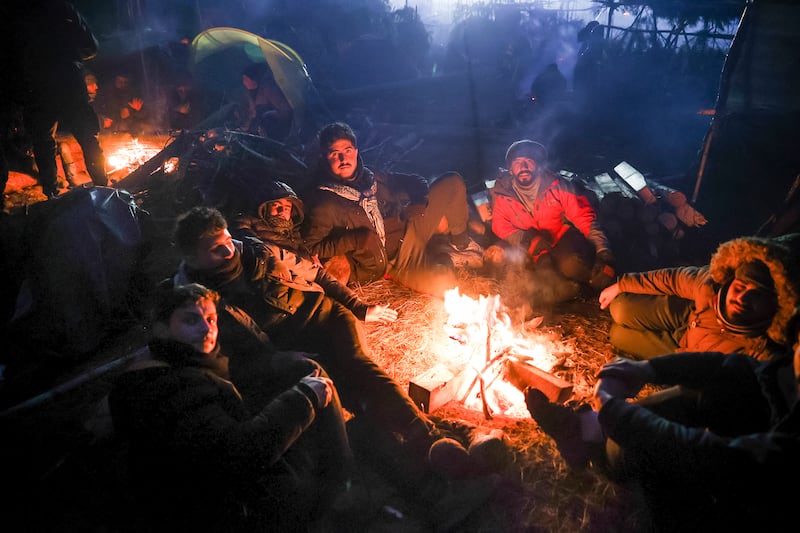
486 363
125 154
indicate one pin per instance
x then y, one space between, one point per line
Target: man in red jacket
551 226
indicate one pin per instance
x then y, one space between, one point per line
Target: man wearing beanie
536 212
375 223
741 302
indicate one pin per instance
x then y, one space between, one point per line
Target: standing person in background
591 56
53 40
93 87
549 87
184 104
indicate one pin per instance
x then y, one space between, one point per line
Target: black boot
563 425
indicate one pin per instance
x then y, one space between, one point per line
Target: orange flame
130 156
484 335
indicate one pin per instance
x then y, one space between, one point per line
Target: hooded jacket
288 260
704 330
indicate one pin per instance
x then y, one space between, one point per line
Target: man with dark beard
740 302
545 223
375 224
263 286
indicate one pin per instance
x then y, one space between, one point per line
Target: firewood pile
644 221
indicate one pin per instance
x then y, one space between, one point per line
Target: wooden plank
434 388
523 375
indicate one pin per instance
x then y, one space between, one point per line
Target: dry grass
546 495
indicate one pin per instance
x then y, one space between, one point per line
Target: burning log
523 375
476 372
439 385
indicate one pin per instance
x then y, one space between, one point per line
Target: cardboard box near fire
434 388
439 385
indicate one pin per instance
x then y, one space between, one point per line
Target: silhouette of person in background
590 59
268 113
53 40
123 104
549 86
92 88
185 107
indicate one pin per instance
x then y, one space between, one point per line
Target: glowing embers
129 155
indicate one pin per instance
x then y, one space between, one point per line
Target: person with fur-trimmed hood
713 451
740 302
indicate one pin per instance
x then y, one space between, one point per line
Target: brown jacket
704 331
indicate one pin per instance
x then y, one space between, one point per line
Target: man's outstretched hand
608 294
382 314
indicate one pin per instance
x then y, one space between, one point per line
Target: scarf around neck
282 232
527 195
363 191
217 278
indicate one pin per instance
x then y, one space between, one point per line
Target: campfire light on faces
483 341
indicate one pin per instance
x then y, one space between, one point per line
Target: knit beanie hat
757 273
527 148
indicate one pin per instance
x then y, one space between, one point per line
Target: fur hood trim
780 254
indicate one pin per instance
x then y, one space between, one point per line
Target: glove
537 242
603 271
624 378
318 389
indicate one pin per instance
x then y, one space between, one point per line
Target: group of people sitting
260 396
716 444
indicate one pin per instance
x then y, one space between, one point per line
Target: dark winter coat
698 479
51 40
265 300
338 226
702 285
289 263
194 448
